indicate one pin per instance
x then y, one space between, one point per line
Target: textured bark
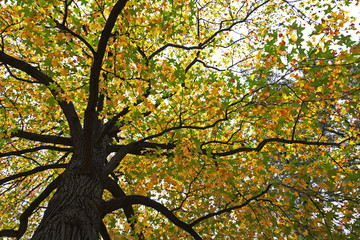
73 212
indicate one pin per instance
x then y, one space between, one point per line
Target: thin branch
189 191
323 215
199 47
33 171
117 203
184 127
137 148
226 210
296 121
110 125
142 53
219 69
35 149
62 26
269 140
192 62
66 7
210 39
24 217
16 77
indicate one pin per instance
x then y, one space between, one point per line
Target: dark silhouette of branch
140 147
18 78
269 140
220 69
110 127
111 123
325 221
143 146
63 27
210 39
116 159
226 210
67 107
184 127
35 149
24 217
103 231
43 138
90 113
33 171
66 7
136 148
142 53
117 192
117 203
198 47
296 121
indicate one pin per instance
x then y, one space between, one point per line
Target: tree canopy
223 119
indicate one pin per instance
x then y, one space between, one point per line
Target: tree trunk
73 212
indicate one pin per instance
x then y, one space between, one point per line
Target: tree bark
74 212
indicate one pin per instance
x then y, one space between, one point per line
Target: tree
179 119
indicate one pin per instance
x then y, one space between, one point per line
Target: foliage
233 119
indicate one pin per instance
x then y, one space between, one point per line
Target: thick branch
226 210
43 138
33 171
143 146
24 217
117 192
90 113
116 159
67 107
136 148
103 231
117 203
111 123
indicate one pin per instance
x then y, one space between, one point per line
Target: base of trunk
73 212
